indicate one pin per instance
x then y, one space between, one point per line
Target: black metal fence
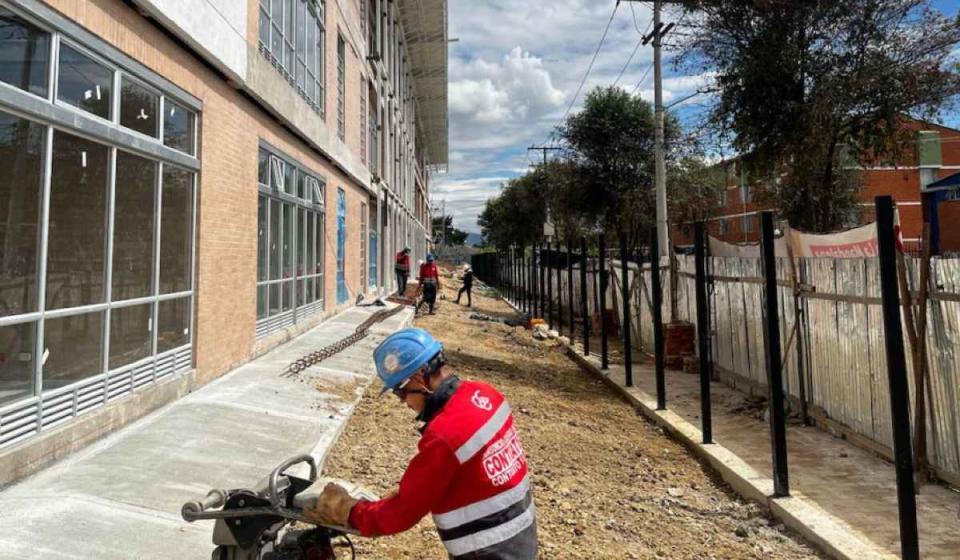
562 283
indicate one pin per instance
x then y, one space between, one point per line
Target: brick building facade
190 184
932 153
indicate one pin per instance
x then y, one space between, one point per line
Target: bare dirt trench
607 484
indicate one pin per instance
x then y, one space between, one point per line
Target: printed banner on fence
856 243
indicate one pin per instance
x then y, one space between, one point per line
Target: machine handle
308 459
213 500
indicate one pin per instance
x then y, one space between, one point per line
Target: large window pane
261 238
263 167
288 235
173 327
275 240
24 54
178 124
176 231
133 222
130 334
262 301
301 243
274 299
16 362
84 83
21 151
290 179
72 349
77 233
138 108
288 296
311 250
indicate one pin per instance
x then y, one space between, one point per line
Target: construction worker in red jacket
429 279
402 270
470 470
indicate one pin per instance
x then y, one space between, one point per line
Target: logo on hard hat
391 362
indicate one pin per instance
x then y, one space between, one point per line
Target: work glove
331 507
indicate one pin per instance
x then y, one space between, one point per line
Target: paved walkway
846 481
120 498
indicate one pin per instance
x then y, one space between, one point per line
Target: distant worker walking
429 282
467 285
402 270
470 470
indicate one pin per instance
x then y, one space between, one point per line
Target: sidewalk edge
828 532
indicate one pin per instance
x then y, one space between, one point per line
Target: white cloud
516 88
514 71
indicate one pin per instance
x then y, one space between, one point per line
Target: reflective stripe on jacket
403 262
470 472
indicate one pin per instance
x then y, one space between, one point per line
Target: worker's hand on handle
331 507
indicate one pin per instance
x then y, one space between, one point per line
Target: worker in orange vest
402 270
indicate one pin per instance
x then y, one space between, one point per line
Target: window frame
311 14
313 209
55 115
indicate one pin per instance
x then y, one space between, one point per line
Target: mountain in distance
473 239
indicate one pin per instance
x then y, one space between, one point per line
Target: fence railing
834 335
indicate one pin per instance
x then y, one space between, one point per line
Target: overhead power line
640 42
590 67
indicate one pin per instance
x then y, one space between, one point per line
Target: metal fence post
625 326
703 331
778 430
604 349
657 319
584 301
533 280
573 330
549 280
897 375
541 270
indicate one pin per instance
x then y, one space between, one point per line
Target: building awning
947 183
425 34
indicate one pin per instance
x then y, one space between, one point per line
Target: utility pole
660 179
544 149
659 148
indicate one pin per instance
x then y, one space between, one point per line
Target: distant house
941 202
936 156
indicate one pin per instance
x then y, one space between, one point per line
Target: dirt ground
607 484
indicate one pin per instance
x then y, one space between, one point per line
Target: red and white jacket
470 472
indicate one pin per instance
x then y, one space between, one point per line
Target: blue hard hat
430 257
402 354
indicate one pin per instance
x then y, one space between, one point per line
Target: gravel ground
607 484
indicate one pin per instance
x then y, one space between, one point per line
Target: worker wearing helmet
467 285
470 470
429 282
402 270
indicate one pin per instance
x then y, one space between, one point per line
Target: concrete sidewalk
853 490
120 498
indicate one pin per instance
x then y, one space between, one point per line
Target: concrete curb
828 532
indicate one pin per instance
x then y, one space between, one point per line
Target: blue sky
515 70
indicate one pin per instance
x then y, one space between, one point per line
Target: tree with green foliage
454 236
516 216
809 90
610 142
694 189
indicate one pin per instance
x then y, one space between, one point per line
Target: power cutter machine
262 523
